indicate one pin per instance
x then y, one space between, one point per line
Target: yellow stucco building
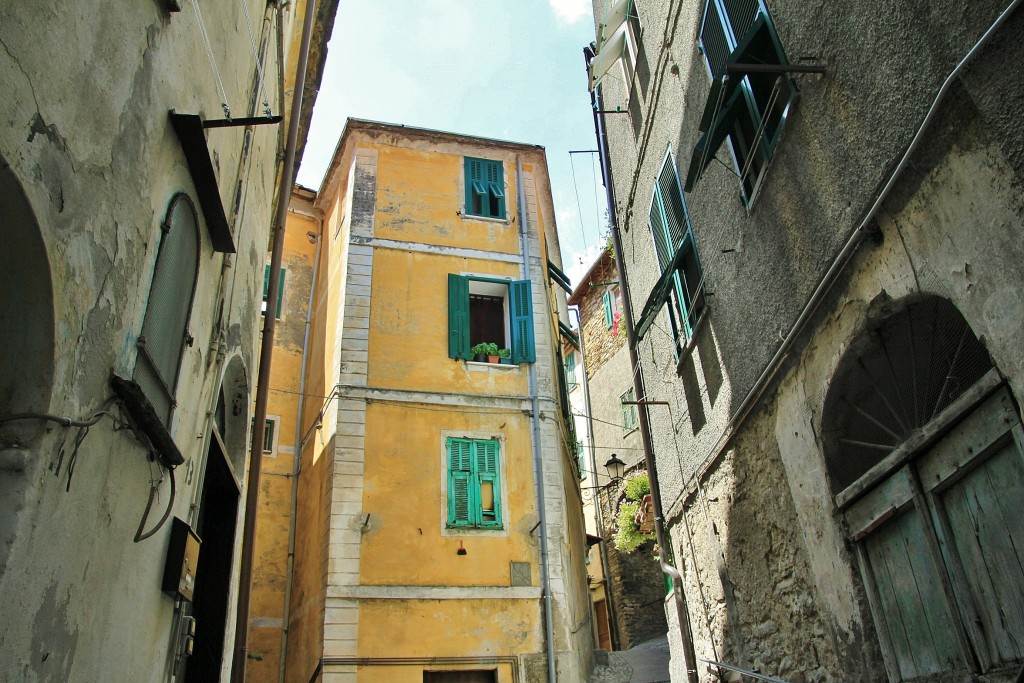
438 533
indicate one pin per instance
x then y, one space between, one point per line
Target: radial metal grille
895 379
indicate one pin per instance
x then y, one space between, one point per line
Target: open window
490 310
751 91
485 188
474 483
682 279
165 327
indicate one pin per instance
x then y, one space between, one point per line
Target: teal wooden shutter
570 370
460 466
609 316
280 295
521 305
458 316
266 290
674 205
496 189
476 192
489 498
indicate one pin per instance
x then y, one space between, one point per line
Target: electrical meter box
182 561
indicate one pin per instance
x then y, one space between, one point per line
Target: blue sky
506 69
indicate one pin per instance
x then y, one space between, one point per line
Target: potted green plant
505 356
478 352
492 353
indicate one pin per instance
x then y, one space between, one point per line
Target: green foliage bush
627 535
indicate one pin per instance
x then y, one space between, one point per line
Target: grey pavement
645 663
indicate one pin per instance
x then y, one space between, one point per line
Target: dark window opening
486 320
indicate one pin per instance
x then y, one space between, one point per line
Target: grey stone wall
770 578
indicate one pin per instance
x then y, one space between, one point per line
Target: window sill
486 219
474 365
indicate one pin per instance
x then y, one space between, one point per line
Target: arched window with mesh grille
165 327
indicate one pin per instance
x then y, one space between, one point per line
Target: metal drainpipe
266 352
603 552
682 612
297 458
538 463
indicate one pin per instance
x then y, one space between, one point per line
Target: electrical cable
579 207
139 536
59 419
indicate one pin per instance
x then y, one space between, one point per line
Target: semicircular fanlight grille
895 379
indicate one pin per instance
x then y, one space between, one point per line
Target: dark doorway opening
218 511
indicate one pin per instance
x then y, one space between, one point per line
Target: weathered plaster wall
768 567
85 134
273 523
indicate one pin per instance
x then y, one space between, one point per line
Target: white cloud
579 263
570 11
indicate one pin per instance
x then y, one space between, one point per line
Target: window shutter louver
714 41
672 201
460 466
280 295
487 471
521 306
266 281
658 232
741 15
458 316
609 314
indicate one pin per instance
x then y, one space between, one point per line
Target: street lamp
615 468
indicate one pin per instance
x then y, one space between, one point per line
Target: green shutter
496 188
521 305
476 186
673 204
609 316
280 295
266 289
487 473
570 369
458 316
460 464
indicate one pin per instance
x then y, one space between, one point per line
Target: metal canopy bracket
245 121
191 135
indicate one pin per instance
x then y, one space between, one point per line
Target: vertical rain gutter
602 548
538 461
682 612
297 457
238 659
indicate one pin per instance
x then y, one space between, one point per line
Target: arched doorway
925 455
26 349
